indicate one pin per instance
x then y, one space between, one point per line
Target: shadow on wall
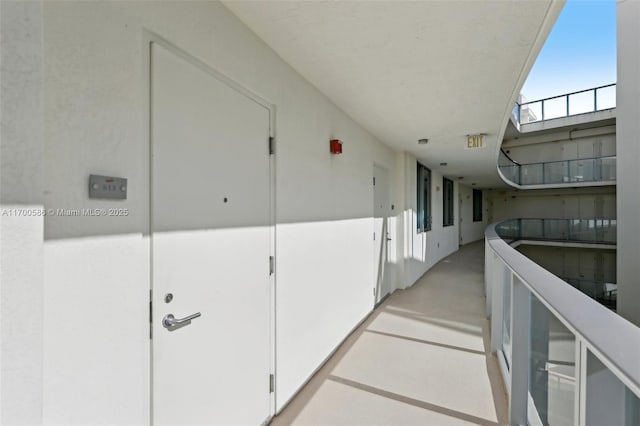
366 368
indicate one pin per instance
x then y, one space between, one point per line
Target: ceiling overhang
407 70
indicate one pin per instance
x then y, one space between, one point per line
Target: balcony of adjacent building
561 142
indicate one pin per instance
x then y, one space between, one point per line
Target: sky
580 52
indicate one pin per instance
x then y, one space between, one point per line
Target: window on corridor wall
423 198
477 205
447 202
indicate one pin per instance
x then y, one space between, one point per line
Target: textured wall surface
21 221
424 249
97 268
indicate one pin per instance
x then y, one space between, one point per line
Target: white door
210 229
381 233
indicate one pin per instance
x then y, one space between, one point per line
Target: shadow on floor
422 357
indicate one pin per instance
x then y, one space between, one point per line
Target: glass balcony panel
506 316
509 169
511 173
531 229
531 174
555 229
575 229
556 172
607 167
515 113
585 230
580 103
608 400
552 382
606 97
609 231
582 230
555 108
581 170
631 408
587 168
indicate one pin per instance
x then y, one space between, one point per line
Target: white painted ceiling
406 70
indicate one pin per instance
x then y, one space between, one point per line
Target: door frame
392 233
148 38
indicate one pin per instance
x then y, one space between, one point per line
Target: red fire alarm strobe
335 146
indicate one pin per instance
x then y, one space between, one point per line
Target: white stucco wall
21 222
75 290
96 269
424 249
628 129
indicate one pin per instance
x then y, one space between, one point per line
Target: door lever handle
170 321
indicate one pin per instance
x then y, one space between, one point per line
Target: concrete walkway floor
421 358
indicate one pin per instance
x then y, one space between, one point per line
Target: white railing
538 321
566 105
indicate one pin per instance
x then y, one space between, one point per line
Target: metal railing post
595 99
542 103
519 229
499 271
568 106
580 393
519 174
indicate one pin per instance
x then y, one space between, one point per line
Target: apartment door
381 233
210 233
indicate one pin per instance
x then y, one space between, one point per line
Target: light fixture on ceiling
423 141
443 164
460 177
473 184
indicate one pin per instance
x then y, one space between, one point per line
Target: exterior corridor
421 358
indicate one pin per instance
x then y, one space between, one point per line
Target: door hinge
272 383
150 314
272 265
374 181
272 147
